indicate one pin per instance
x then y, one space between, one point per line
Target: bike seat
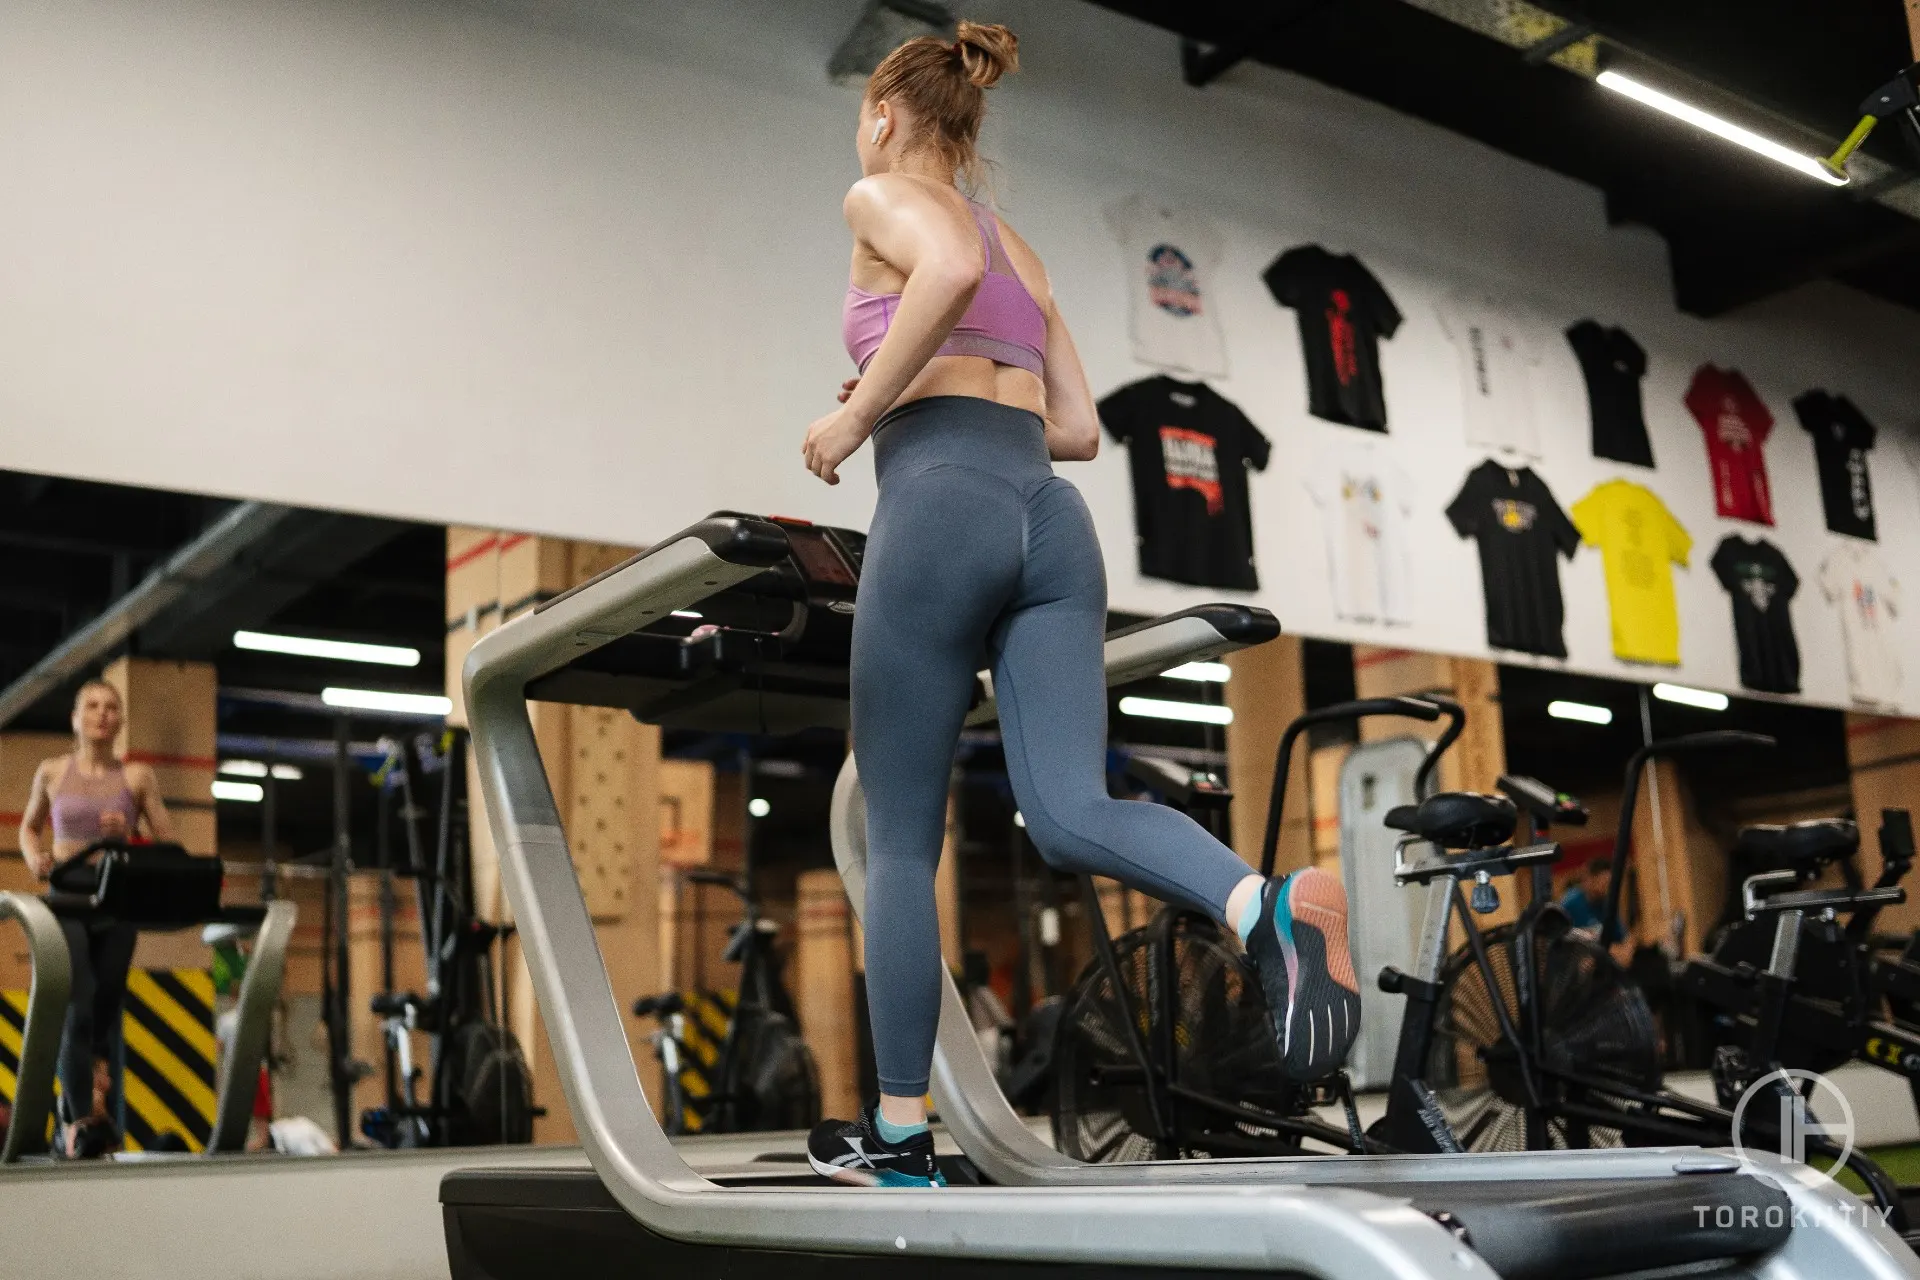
1457 819
1810 843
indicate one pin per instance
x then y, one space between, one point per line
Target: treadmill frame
1334 1232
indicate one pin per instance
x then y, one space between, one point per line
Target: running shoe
1299 949
852 1151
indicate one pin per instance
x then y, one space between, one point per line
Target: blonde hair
80 694
943 85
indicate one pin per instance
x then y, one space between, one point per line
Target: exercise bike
735 1063
1562 1051
1166 1049
479 1087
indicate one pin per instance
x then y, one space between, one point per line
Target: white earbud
879 127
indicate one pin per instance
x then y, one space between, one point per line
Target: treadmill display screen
818 559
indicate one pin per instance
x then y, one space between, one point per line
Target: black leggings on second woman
980 557
102 956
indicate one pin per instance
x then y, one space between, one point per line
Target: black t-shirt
1520 528
1614 364
1841 438
1343 312
1761 583
1190 449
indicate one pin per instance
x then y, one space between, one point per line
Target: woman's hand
831 441
846 389
113 825
39 865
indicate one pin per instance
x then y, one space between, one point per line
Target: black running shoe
1299 949
853 1151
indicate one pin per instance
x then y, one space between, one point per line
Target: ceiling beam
1201 65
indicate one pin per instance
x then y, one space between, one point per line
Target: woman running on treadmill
980 556
77 799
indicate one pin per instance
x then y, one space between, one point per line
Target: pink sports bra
78 802
1003 323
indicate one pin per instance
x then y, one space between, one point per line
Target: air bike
778 595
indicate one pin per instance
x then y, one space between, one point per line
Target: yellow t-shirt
1638 538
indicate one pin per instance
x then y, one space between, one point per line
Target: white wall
576 267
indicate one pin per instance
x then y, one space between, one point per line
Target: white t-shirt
1364 499
1495 354
1170 257
1856 579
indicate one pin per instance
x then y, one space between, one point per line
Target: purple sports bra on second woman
1003 323
78 802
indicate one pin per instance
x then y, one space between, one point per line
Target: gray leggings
981 557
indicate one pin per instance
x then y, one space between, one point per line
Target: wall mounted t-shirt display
1613 365
1736 424
1171 256
1364 499
1856 580
1842 437
1761 583
1189 449
1495 356
1343 313
1638 540
1520 530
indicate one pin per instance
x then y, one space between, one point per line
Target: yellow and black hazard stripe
171 1054
702 1034
171 1051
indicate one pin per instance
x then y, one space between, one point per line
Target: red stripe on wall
513 540
474 552
155 757
1385 655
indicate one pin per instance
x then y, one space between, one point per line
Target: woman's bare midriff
981 378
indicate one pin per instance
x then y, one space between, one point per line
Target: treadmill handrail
1322 1232
47 993
252 1027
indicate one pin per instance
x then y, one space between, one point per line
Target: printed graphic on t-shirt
1192 463
1842 438
1495 356
1171 255
1522 533
1172 283
1364 499
1638 540
1342 312
1188 450
1858 582
1736 424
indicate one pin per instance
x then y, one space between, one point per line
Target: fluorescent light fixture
387 655
1560 709
410 704
1719 128
758 807
1705 699
1166 709
1212 672
687 613
245 792
257 769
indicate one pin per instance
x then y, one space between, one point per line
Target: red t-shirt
1736 425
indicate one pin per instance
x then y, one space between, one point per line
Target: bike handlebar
1414 708
1686 744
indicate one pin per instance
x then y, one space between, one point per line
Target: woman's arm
920 235
146 792
34 821
1073 423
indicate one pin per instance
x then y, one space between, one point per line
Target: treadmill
739 622
166 906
